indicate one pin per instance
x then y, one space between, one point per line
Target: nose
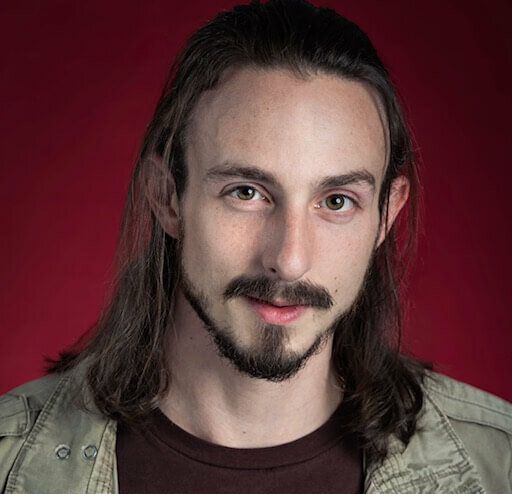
287 249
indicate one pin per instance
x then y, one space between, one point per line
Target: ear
398 196
160 192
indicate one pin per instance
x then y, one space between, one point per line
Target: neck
212 400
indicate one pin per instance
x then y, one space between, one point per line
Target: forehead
295 128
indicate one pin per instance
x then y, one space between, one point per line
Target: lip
276 314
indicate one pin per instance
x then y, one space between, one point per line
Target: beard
267 358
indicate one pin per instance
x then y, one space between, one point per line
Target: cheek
216 247
345 260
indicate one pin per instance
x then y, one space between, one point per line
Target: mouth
277 311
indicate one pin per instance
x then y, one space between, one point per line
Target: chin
271 357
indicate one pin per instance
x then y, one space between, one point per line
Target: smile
276 312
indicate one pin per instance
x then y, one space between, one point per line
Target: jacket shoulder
465 403
462 443
19 409
43 419
483 423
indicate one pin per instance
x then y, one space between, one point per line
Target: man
250 345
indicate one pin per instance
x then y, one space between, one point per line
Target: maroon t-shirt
159 457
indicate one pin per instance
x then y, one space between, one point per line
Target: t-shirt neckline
297 451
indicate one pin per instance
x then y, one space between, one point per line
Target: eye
246 193
337 202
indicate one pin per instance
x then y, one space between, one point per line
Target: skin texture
299 131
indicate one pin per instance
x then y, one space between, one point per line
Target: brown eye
338 202
245 193
335 202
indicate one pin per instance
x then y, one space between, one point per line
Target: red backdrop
79 82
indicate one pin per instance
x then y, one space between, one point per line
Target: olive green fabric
49 444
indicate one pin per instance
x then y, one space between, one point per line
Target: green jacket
49 445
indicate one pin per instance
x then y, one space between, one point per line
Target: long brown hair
125 352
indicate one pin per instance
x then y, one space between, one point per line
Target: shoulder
19 410
48 420
483 424
20 406
464 403
462 443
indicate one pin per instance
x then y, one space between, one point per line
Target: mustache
266 290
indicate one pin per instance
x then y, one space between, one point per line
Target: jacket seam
510 467
493 425
400 480
471 402
27 408
101 445
459 445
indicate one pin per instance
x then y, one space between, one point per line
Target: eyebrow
230 170
233 170
356 177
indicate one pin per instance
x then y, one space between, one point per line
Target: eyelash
230 192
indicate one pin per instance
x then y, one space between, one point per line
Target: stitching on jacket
510 467
456 441
471 402
18 412
478 421
27 410
98 477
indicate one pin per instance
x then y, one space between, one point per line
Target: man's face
280 214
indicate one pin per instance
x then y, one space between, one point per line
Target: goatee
268 358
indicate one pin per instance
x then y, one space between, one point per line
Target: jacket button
89 452
62 452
